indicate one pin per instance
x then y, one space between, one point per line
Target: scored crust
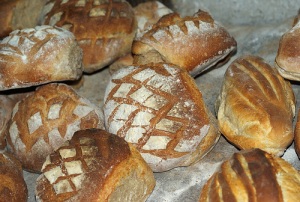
159 109
25 58
95 166
103 29
253 175
288 54
256 106
194 43
44 120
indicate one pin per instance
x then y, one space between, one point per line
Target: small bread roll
95 166
159 108
44 120
256 106
35 56
103 29
288 54
194 43
12 187
19 14
253 175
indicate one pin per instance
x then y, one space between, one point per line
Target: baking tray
185 183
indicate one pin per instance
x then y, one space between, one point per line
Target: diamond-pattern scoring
65 169
51 120
156 115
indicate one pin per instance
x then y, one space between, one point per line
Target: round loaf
103 29
159 108
19 14
95 166
256 106
12 187
194 43
44 120
288 54
253 175
39 55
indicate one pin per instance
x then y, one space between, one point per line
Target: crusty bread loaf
253 175
44 120
103 29
194 43
147 14
19 14
297 135
256 106
12 187
288 54
95 166
159 108
39 55
6 107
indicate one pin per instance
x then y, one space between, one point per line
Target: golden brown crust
12 187
101 161
193 42
104 30
148 13
287 58
253 175
159 109
6 107
256 106
297 135
44 120
25 59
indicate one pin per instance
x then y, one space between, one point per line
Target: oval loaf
256 106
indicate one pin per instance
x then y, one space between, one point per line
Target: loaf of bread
95 166
39 55
147 14
297 135
159 108
194 43
6 107
103 29
44 120
256 106
288 54
19 14
12 187
253 175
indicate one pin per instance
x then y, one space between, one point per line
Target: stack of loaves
153 117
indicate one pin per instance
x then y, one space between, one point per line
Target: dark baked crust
101 162
253 175
12 187
287 58
104 31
